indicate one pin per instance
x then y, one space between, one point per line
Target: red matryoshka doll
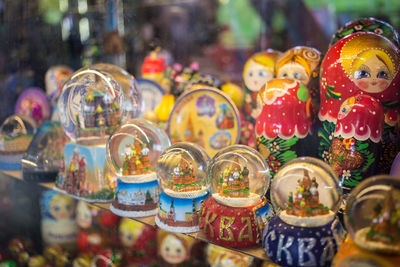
283 127
367 64
356 140
301 63
367 25
259 69
174 249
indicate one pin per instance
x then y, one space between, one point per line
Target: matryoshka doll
361 63
356 141
283 127
301 63
259 69
181 172
132 154
306 195
173 249
219 256
94 105
373 222
138 241
236 212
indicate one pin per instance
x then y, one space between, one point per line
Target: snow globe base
85 175
179 215
349 254
234 226
135 199
290 245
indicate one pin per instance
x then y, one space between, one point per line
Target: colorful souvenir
44 157
138 241
356 141
306 194
16 134
33 103
57 256
58 224
153 66
20 250
219 256
181 171
236 212
132 154
152 94
283 127
372 220
367 25
54 80
173 248
94 105
350 68
107 257
301 63
258 70
206 117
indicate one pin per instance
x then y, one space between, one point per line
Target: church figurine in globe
132 154
372 219
16 134
236 212
306 195
92 105
182 177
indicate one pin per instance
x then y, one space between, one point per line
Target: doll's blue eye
178 250
296 75
261 74
251 74
285 74
382 75
361 74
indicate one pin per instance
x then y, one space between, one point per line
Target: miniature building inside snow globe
372 215
93 105
16 134
239 177
132 154
181 172
237 210
306 195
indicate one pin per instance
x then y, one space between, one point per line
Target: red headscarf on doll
360 117
352 61
285 110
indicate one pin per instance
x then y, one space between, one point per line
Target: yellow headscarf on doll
363 47
307 57
266 59
130 226
58 197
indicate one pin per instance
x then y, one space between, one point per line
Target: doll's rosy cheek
382 84
362 84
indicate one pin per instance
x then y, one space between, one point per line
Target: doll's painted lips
373 83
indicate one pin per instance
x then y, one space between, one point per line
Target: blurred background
219 34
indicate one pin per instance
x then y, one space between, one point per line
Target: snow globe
372 220
16 134
94 106
235 214
44 157
132 154
181 172
306 195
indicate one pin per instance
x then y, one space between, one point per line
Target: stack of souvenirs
318 127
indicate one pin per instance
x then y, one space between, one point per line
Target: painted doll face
294 71
62 209
127 237
172 250
373 76
83 215
256 75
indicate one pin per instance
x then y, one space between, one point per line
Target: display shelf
257 252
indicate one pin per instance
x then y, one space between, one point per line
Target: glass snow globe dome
240 176
16 133
372 215
93 105
127 81
306 192
181 170
133 149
